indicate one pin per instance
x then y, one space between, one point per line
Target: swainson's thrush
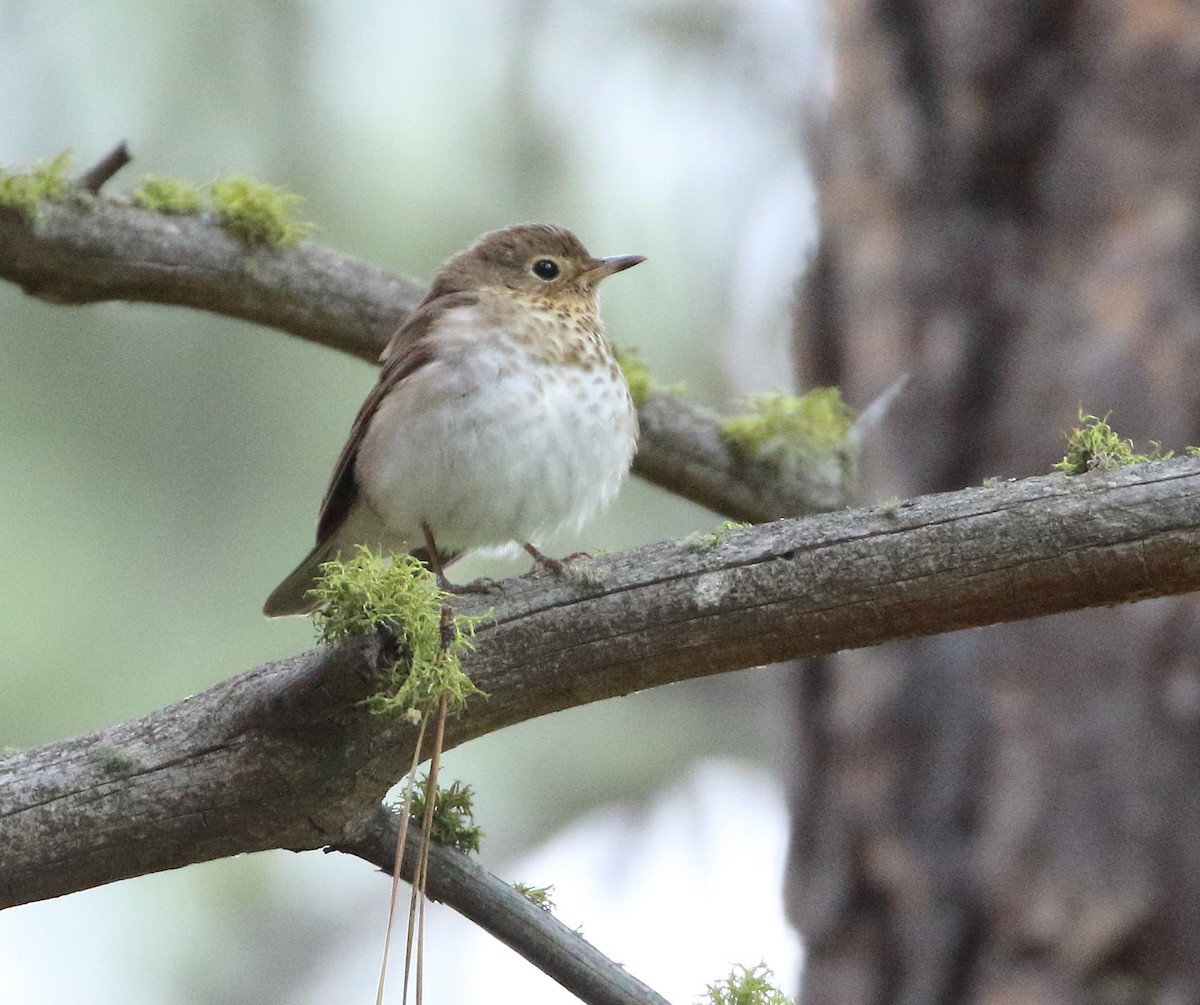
500 414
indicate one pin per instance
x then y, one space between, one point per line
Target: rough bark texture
285 756
1010 200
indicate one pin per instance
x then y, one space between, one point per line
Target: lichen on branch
453 821
1094 445
25 190
256 213
171 196
366 592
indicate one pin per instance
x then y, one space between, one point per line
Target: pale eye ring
545 269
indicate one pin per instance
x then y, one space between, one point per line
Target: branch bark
455 880
282 757
88 249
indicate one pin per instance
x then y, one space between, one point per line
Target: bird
500 415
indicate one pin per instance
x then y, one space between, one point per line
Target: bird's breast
500 439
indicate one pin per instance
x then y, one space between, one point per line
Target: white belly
487 452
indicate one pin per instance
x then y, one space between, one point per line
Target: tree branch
681 450
87 249
457 881
283 756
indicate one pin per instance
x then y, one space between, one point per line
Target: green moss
365 592
542 896
453 816
25 190
747 986
706 542
639 378
637 375
1095 446
255 213
1192 451
168 195
781 426
111 759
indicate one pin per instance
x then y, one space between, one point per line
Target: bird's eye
545 269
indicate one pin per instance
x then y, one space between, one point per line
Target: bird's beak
602 267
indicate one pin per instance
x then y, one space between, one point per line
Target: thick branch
282 756
88 249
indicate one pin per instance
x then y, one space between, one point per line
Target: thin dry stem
427 827
405 812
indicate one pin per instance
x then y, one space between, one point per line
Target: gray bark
1009 203
283 756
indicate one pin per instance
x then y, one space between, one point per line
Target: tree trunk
1010 198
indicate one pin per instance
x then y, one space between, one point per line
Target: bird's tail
293 595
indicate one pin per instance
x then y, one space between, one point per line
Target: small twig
93 179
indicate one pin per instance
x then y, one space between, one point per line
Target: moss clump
637 375
453 816
781 426
1095 446
25 190
365 592
747 986
639 378
255 213
889 507
168 195
111 759
706 542
542 896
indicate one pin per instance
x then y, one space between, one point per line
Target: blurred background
160 469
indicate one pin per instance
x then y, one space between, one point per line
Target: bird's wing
408 350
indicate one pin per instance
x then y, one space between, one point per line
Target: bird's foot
555 566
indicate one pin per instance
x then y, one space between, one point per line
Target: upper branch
283 756
87 249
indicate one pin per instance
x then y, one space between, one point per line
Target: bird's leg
438 563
